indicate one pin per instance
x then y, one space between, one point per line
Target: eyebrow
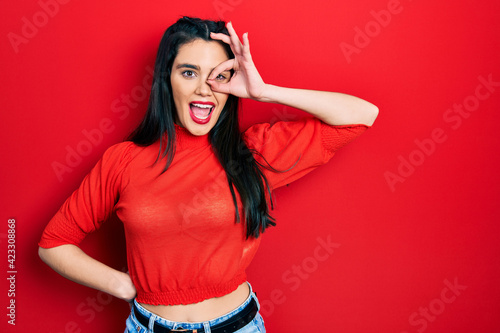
188 66
196 67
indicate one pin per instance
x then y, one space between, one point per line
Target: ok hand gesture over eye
246 81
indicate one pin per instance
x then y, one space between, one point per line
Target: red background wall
410 209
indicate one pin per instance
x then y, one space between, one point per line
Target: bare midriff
203 311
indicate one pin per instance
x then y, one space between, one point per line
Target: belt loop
206 327
152 320
256 300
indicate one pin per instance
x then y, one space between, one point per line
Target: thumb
219 87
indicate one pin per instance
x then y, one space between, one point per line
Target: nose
204 88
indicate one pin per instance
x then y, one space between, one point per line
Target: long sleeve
92 203
296 148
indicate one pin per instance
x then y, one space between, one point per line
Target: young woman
193 192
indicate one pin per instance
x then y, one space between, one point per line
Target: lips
201 112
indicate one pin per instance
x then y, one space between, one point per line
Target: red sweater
183 245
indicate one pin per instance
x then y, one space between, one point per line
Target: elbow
371 115
47 255
42 253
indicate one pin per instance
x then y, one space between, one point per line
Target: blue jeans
255 326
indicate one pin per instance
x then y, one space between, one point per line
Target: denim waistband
196 325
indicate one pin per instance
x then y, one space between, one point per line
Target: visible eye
188 74
222 77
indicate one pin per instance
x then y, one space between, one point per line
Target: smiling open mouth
201 112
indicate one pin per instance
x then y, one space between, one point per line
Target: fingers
233 40
222 67
221 37
219 87
246 45
223 87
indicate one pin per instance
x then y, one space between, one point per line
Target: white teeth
202 106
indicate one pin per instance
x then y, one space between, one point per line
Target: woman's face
198 107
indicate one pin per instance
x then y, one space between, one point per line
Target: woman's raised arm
331 107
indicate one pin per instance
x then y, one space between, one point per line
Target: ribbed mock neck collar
186 140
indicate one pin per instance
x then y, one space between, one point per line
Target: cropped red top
183 245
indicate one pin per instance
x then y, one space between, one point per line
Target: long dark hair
242 170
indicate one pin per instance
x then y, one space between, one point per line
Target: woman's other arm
72 263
